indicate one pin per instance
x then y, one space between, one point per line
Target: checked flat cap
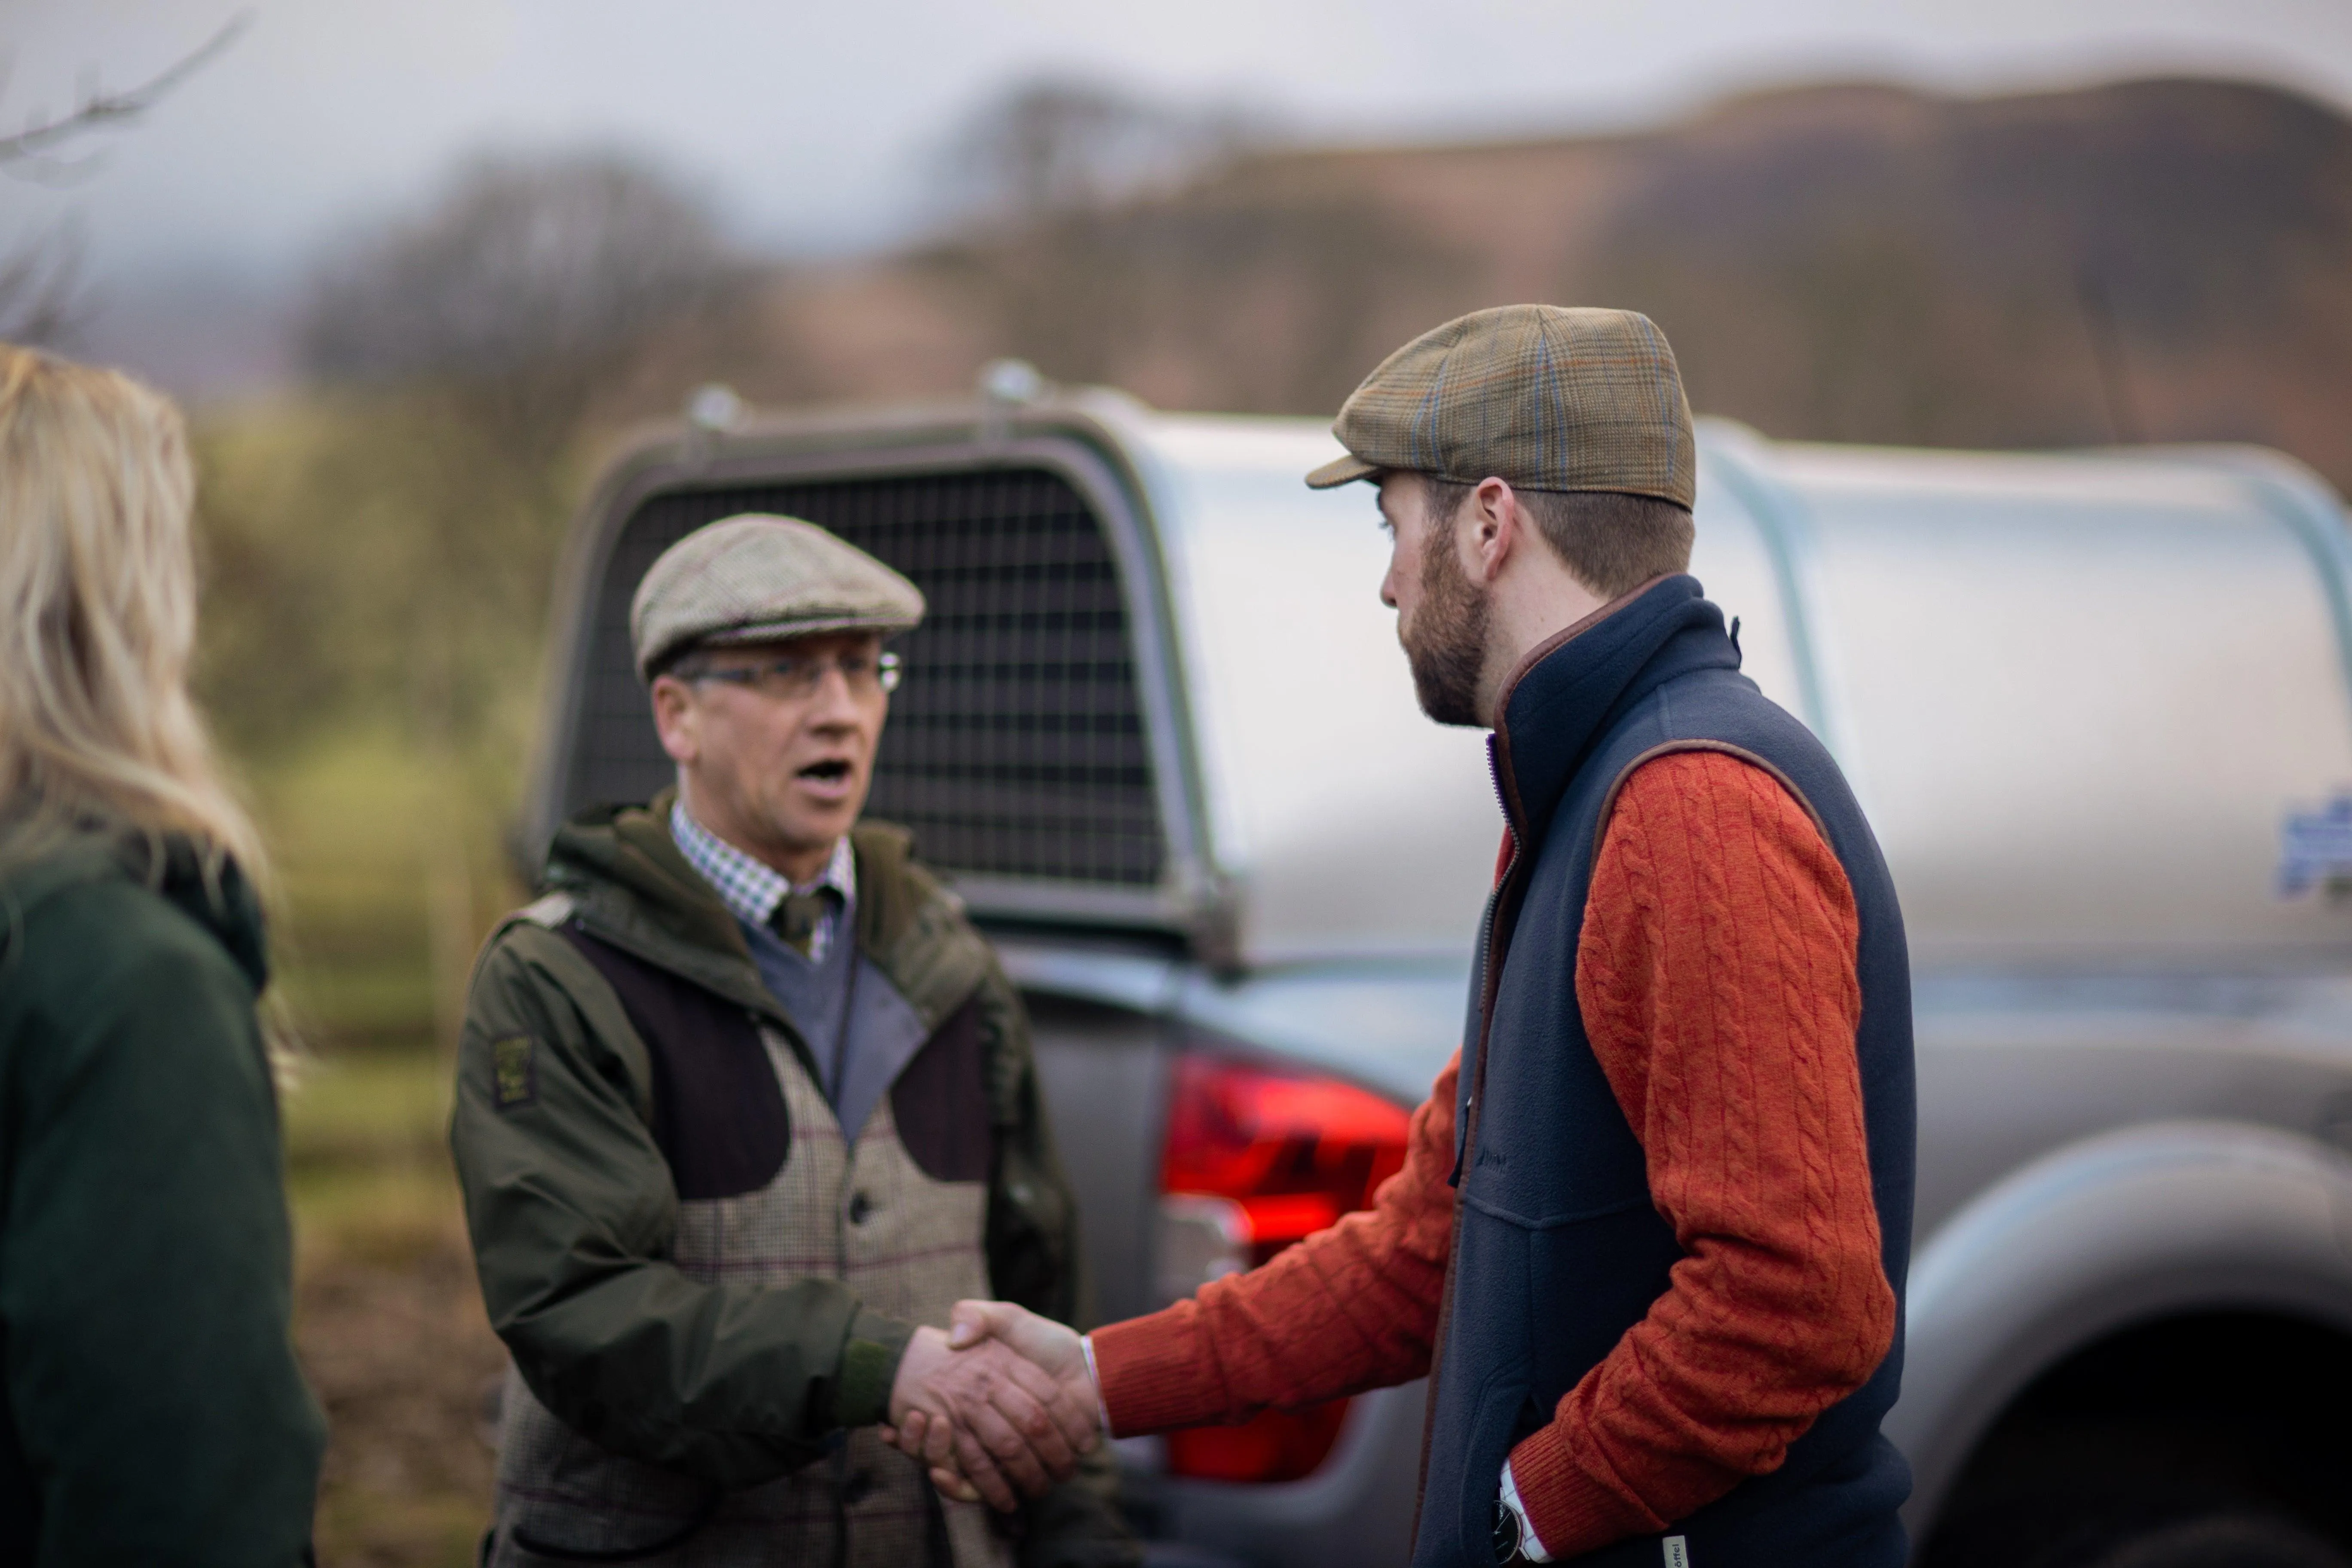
757 578
1543 397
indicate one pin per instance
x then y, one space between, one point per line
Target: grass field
388 1321
375 566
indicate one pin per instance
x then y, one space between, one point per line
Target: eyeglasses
796 678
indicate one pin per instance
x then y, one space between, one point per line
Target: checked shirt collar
751 888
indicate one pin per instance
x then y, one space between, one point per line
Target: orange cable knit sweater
1716 976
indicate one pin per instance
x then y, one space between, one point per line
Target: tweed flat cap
1546 397
756 578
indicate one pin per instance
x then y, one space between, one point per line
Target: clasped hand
998 1407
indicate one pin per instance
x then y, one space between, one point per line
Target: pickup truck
1159 732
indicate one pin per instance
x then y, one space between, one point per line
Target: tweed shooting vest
898 1214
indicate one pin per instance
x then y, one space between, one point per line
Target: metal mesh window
1015 746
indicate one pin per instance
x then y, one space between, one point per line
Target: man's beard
1447 646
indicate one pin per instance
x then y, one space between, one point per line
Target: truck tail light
1258 1159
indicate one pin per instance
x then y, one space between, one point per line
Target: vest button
860 1205
857 1487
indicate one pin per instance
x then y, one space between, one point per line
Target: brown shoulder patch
941 1101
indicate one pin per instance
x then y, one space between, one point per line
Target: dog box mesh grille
1015 745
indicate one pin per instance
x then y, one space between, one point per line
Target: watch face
1506 1532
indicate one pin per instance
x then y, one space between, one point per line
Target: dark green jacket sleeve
1033 1259
574 1214
145 1264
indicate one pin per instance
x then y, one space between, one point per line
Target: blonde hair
98 621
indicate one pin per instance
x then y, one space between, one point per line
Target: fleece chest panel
1558 1248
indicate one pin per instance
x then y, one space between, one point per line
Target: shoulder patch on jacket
550 911
514 1071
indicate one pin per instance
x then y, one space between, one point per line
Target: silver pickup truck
2098 706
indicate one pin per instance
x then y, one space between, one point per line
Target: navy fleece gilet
1558 1247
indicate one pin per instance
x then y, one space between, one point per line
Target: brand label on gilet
1678 1553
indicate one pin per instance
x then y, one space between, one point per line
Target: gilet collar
1571 688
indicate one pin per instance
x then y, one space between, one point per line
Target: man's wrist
1094 1381
1531 1546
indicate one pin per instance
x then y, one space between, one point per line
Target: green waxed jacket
572 1207
154 1412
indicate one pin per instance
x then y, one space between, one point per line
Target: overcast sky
813 126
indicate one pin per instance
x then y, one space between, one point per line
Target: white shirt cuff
1531 1546
1102 1411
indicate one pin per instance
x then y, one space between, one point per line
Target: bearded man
1648 1243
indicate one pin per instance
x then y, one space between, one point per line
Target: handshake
1000 1405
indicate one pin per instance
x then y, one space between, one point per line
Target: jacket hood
1571 688
221 900
628 848
223 904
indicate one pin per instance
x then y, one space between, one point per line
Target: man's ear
1492 528
677 719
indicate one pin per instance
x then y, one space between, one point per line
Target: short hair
1612 541
684 662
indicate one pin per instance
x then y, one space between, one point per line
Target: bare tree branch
100 108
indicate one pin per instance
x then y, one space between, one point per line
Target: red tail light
1257 1160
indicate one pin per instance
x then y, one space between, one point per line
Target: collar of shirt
749 887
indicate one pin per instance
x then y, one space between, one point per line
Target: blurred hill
2151 260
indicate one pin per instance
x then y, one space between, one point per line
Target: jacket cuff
1152 1374
1570 1509
869 1365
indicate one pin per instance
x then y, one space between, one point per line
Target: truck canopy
2082 697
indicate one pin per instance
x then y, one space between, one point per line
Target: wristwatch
1507 1533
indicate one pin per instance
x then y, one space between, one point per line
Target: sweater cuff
869 1365
1153 1374
1567 1506
1531 1546
1094 1381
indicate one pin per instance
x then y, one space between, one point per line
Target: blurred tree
465 343
1116 239
522 290
1035 184
1058 146
382 550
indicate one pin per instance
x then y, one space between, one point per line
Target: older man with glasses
744 1105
